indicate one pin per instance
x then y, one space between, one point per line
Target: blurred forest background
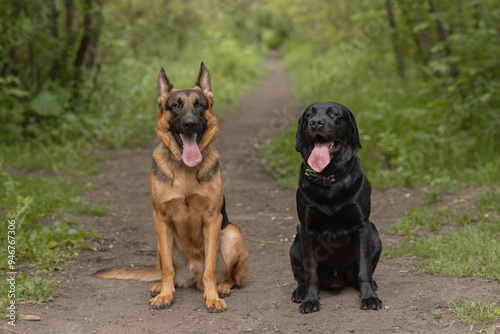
421 76
79 76
83 72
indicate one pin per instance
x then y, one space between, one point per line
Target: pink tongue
320 156
191 154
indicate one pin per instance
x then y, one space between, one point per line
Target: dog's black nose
317 122
189 124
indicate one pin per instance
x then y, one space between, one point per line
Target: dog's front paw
216 306
371 303
298 294
309 306
161 301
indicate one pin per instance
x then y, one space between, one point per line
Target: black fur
336 243
159 174
104 270
210 174
225 220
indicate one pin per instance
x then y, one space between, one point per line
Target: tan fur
192 250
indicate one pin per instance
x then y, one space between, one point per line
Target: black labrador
336 243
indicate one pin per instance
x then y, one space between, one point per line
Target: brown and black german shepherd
196 243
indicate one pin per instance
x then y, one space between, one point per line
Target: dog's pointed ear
355 131
298 137
163 85
204 82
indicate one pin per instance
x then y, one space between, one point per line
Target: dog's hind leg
376 251
233 269
298 269
376 246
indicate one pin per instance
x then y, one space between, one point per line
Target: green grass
47 234
475 311
420 219
470 249
469 252
437 313
489 201
437 189
44 196
448 242
280 159
30 289
76 157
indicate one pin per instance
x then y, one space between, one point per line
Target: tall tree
398 50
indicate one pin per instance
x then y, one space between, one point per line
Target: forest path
266 215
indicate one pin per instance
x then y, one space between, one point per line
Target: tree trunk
10 66
55 70
67 74
96 33
425 44
398 50
85 43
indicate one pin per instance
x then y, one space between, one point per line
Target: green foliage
29 201
48 56
469 250
438 188
475 311
420 219
437 313
93 80
280 158
46 237
437 122
489 201
30 289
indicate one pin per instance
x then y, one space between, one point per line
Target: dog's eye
176 105
334 114
308 116
198 105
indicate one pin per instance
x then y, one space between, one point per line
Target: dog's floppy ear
298 137
164 86
203 81
355 131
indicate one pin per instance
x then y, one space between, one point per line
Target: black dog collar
325 180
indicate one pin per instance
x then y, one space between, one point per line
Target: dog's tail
146 274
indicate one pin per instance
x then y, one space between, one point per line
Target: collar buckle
325 181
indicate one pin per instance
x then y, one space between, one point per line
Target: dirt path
266 215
